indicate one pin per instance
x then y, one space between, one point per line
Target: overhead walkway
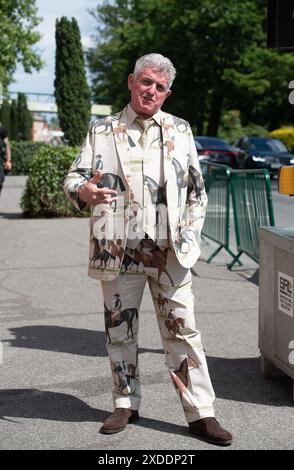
45 103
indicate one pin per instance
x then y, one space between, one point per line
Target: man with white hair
148 208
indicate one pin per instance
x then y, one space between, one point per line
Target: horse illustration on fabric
99 162
115 249
127 315
103 126
126 377
131 142
121 131
161 301
166 126
182 178
181 124
101 254
181 379
173 324
170 146
195 182
154 259
157 193
127 263
111 181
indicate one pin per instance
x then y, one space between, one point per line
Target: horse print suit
163 179
110 142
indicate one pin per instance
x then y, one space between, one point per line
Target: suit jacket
108 141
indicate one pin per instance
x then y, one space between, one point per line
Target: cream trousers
171 289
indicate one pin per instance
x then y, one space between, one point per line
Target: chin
148 109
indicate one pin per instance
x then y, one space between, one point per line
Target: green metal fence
252 206
217 221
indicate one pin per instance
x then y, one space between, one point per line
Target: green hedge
44 196
21 154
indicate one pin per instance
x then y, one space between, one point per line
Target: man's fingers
111 191
105 191
110 199
97 177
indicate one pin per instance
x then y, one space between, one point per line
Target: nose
152 88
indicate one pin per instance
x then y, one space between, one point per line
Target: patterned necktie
152 166
145 125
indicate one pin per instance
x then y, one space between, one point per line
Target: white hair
158 62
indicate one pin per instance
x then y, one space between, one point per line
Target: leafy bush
232 129
286 135
44 196
21 154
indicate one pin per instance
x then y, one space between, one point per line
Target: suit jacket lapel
122 141
168 137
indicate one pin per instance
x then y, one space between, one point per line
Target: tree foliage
17 118
24 118
218 49
72 92
43 195
18 19
5 115
14 121
286 135
232 129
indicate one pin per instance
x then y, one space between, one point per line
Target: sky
49 11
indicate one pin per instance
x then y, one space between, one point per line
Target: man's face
149 89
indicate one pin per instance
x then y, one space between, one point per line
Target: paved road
283 207
55 380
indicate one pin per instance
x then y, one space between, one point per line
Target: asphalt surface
55 376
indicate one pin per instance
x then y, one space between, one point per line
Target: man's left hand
7 165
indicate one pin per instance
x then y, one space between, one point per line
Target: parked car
264 152
216 150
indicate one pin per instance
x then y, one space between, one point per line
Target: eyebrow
147 77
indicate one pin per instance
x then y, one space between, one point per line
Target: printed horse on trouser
174 305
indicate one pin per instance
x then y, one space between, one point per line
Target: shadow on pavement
38 404
237 379
12 215
241 380
59 339
63 339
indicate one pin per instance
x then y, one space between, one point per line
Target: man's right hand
92 195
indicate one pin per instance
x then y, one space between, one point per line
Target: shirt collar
131 115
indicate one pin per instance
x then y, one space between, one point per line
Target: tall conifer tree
13 121
72 92
24 118
5 115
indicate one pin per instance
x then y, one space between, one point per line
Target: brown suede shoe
210 431
118 420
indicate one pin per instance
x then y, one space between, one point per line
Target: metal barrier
252 208
252 205
217 221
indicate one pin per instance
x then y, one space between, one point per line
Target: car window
243 144
213 143
264 145
198 146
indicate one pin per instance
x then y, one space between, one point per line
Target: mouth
148 100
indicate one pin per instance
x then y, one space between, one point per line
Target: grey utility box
276 299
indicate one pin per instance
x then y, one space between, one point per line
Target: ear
168 93
130 80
